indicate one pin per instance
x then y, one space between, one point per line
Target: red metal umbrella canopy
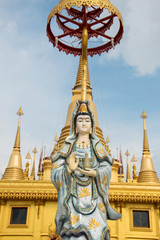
103 22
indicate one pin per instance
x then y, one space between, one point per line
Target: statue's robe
83 205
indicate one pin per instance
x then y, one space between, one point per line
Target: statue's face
83 124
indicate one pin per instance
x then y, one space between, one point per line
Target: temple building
28 199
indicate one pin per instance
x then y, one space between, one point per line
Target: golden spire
56 138
26 171
145 139
28 156
147 172
84 62
128 176
78 83
107 140
134 159
14 169
32 177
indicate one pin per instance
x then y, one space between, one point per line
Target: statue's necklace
83 144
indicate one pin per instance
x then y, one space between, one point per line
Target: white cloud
140 46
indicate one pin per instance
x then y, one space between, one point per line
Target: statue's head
82 119
83 123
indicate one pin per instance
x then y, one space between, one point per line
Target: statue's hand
90 172
73 162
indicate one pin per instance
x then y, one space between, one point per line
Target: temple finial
35 150
14 169
107 140
145 139
147 172
20 112
134 159
32 177
28 156
17 139
128 176
56 138
120 170
144 115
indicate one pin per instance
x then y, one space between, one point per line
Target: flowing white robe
83 206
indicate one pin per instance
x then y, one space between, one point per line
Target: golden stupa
14 169
147 172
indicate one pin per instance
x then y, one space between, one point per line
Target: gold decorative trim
52 195
6 195
132 197
99 3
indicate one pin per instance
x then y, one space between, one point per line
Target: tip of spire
35 150
107 140
144 115
56 138
28 156
127 153
134 159
20 112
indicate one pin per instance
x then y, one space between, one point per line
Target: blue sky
39 78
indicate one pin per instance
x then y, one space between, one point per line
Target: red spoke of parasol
101 34
101 20
69 20
68 33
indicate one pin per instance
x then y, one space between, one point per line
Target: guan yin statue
81 174
81 166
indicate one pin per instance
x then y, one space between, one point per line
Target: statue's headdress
83 108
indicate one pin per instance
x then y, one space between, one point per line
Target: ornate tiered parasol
88 27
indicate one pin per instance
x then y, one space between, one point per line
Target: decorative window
18 215
141 219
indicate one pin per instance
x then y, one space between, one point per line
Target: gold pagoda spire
145 139
128 176
56 138
32 177
147 172
76 91
78 83
134 159
107 140
14 169
84 61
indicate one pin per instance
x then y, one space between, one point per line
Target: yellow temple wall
41 199
39 217
123 229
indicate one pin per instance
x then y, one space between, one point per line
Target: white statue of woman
81 173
